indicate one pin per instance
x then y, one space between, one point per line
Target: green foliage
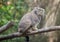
14 12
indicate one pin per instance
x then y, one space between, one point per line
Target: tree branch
17 34
7 26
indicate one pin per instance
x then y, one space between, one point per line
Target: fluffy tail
27 38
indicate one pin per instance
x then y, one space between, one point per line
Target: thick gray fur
32 18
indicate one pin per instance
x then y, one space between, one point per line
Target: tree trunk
51 19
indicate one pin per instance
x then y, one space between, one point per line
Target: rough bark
51 19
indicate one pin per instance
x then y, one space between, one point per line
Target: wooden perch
17 34
6 26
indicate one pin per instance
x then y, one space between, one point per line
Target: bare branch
17 34
10 36
7 26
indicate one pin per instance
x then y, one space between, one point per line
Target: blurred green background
12 10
